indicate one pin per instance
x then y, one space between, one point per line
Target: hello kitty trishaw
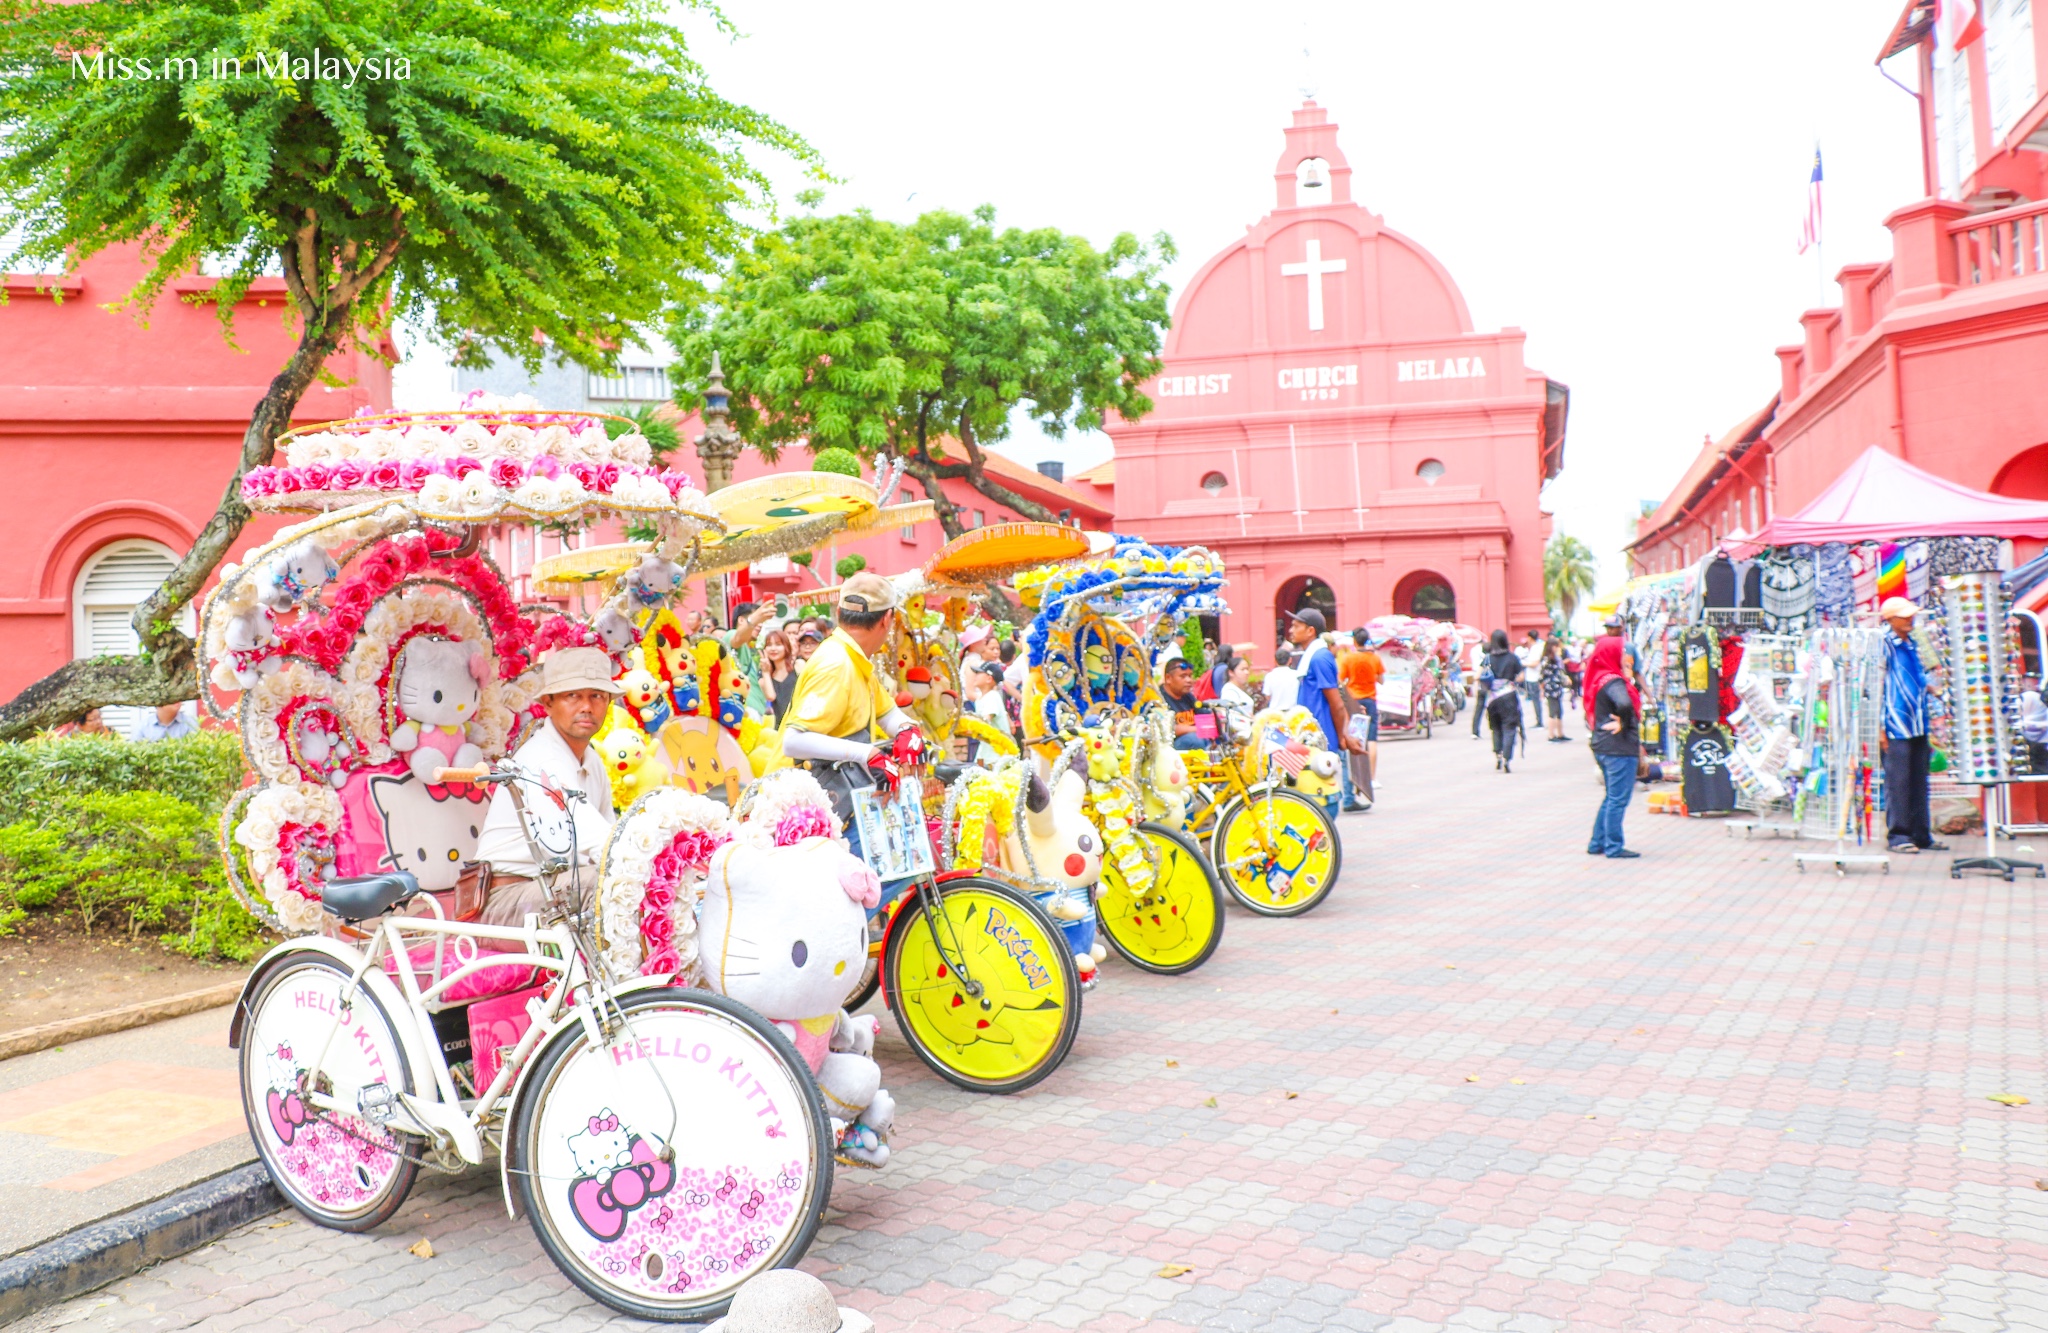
666 1143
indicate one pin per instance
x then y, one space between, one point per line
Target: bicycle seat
948 772
360 897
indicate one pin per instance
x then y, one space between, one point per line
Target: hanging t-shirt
1835 585
1720 584
1704 773
1699 661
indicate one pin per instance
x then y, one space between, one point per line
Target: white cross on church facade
1313 267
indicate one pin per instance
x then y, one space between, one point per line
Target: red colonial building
1329 422
119 435
1939 354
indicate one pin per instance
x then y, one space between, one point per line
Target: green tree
853 332
1569 568
551 167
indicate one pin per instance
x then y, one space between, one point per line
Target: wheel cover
335 1163
1172 922
1298 864
739 1189
1015 1024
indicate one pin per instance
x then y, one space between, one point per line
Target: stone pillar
1923 253
718 448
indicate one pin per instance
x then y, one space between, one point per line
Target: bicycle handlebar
480 773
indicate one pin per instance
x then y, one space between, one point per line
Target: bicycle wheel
1276 852
870 982
742 1190
340 1170
1022 1023
1177 922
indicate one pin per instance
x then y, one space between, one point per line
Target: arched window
1298 594
1214 482
1430 470
1425 594
103 600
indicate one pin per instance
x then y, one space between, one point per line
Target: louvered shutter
117 581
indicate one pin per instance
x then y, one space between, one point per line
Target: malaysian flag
1957 23
1809 231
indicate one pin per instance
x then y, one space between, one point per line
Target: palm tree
1568 572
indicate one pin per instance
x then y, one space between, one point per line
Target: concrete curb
104 1251
21 1041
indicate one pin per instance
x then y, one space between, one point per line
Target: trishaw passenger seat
360 897
948 772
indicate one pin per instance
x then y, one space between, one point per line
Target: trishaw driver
840 712
576 689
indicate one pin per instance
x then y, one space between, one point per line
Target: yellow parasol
999 551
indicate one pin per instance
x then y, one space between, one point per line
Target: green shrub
123 836
849 565
835 459
202 770
138 861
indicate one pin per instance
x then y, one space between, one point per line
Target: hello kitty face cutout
428 831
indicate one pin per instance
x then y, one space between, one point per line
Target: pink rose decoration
258 482
506 472
413 473
659 898
386 476
657 929
462 465
677 482
660 961
547 465
346 475
607 477
353 599
585 473
314 476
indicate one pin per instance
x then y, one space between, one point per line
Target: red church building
1940 353
1330 423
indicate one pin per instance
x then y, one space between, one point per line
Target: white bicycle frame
448 1121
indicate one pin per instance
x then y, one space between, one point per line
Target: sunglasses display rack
1844 720
1976 642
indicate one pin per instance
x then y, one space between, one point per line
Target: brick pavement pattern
1493 1084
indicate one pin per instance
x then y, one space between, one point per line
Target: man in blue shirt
1905 745
1319 692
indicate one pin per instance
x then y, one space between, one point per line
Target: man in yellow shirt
842 711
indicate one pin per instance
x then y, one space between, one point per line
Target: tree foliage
849 331
554 167
1569 569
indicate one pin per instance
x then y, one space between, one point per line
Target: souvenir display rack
1978 644
1845 722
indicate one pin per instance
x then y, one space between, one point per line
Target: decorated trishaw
1244 814
655 1105
1091 702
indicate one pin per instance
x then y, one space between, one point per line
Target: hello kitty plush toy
295 574
439 686
616 630
247 644
785 932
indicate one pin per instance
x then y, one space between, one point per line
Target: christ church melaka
1329 423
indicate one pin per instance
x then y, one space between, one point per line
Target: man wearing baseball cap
576 689
1320 695
1904 744
842 710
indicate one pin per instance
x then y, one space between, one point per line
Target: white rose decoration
471 440
550 440
537 494
475 494
438 495
516 441
633 450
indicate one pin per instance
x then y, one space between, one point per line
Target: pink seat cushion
496 979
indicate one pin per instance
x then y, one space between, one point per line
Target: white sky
1623 181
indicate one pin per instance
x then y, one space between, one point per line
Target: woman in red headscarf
1613 710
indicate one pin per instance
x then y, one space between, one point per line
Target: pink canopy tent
1883 498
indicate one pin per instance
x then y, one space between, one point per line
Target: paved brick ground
1492 1085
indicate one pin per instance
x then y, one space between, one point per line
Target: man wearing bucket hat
789 1300
1905 745
576 689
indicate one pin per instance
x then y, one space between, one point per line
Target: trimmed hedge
202 770
122 835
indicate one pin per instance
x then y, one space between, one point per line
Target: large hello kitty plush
785 932
653 581
295 574
247 643
616 630
428 830
439 687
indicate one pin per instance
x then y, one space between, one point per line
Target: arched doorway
1427 595
2025 475
1297 594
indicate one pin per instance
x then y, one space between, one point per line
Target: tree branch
66 694
978 478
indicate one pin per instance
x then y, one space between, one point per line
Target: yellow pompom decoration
990 798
